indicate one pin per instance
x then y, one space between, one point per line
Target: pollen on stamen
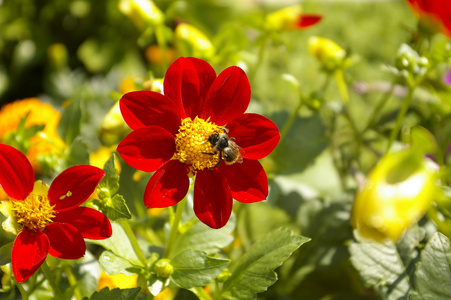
192 145
34 212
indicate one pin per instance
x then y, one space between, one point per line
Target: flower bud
327 52
190 41
143 13
396 195
163 268
289 18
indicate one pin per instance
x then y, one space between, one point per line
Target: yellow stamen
192 143
35 211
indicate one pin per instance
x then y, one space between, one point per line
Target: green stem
161 41
380 105
73 282
175 227
22 291
260 57
291 120
132 238
200 293
342 87
49 275
400 118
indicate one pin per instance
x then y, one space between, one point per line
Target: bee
228 150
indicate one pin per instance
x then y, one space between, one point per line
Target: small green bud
163 268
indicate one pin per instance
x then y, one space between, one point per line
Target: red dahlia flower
433 12
48 220
199 128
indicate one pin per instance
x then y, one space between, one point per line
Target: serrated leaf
113 264
433 276
119 244
381 266
194 268
110 183
116 209
69 125
5 253
203 238
122 294
254 272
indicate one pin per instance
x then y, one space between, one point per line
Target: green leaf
433 276
194 268
69 125
5 253
203 238
122 294
119 244
112 205
254 271
79 153
293 153
110 183
382 265
115 209
113 264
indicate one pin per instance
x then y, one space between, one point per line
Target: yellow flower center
34 212
192 145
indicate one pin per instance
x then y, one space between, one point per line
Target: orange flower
47 141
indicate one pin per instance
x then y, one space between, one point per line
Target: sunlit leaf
194 268
254 272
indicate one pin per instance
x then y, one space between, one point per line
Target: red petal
65 241
17 175
147 148
308 20
247 181
212 198
91 223
144 108
73 186
168 185
255 134
187 82
228 97
29 252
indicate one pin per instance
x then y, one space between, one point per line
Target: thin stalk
380 106
161 41
175 227
49 276
342 87
260 57
200 293
73 282
22 291
290 120
400 118
132 238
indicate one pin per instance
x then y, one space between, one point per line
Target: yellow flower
45 142
290 18
396 195
190 41
117 281
143 13
327 52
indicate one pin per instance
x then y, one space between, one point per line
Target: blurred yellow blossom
290 18
327 52
397 193
190 41
143 13
117 281
45 142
